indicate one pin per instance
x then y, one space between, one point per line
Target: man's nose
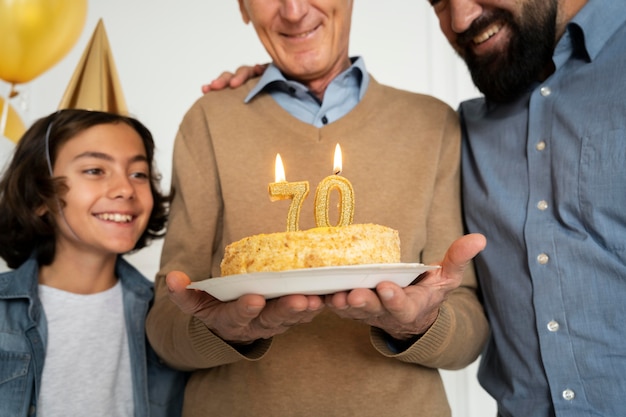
463 13
294 10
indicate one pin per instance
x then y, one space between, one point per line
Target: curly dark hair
27 185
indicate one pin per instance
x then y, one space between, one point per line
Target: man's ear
244 13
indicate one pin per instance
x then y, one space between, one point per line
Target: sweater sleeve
460 331
180 340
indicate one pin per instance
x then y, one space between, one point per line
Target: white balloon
6 152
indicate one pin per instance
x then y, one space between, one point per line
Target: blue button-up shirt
340 97
545 181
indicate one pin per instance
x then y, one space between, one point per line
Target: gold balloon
11 125
36 34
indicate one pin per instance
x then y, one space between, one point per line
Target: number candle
283 190
346 196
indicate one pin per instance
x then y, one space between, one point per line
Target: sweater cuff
214 349
420 349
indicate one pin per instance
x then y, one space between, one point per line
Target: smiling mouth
115 217
487 34
300 35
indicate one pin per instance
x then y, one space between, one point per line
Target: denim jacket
157 389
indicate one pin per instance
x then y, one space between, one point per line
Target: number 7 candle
283 190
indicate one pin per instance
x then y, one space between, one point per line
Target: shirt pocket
602 188
15 391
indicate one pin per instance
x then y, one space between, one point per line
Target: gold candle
346 196
283 190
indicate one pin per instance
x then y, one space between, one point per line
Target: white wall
165 50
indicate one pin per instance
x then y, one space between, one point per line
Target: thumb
461 252
177 283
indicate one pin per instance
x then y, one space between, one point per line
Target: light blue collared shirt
545 181
340 97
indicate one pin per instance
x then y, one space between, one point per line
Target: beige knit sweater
401 153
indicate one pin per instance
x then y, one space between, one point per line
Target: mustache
479 25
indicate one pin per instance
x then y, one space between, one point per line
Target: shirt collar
594 25
21 282
272 75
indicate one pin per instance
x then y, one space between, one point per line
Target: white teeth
491 30
302 35
115 217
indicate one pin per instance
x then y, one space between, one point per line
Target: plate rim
217 283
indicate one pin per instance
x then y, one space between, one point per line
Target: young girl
79 192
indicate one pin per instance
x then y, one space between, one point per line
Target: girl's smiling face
108 202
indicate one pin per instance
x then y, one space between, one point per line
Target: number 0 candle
346 196
283 190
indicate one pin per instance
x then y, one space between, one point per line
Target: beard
503 75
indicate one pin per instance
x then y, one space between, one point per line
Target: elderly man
366 352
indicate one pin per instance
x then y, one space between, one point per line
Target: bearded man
545 180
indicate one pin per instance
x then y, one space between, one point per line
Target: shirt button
324 119
31 410
553 326
542 258
542 205
569 395
545 91
540 146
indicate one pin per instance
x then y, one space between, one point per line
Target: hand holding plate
246 319
407 312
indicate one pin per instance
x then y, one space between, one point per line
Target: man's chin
496 79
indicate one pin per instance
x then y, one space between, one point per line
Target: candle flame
338 164
279 171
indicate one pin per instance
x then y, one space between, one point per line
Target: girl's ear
41 210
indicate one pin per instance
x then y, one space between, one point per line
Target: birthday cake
356 244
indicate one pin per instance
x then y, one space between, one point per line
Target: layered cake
355 244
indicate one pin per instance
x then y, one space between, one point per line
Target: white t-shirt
87 366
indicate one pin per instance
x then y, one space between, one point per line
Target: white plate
325 280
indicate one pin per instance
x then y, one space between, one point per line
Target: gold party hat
95 84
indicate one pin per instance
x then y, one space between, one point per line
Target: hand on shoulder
236 79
